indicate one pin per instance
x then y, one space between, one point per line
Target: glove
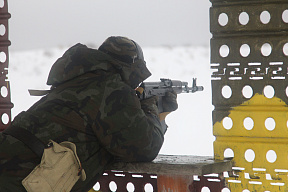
169 102
150 105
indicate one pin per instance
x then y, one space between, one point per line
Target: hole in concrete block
285 49
265 17
247 91
223 19
112 186
270 124
225 190
248 123
205 189
2 57
243 18
227 123
96 187
2 3
130 187
5 118
285 16
249 155
4 91
271 156
244 50
224 51
269 91
2 29
148 187
226 91
228 153
266 49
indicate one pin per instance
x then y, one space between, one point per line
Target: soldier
92 103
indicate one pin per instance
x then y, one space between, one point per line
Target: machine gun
166 85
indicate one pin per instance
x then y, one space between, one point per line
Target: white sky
44 24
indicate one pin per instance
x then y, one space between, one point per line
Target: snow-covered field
190 127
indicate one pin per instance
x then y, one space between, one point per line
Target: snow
190 127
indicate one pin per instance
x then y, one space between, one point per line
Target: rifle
166 85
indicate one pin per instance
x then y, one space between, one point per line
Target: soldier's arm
132 134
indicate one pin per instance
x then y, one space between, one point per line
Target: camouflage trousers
16 162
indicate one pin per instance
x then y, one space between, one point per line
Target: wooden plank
177 165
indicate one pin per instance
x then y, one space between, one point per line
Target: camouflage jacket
91 106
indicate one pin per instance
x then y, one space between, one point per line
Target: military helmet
122 49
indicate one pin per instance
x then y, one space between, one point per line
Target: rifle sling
26 137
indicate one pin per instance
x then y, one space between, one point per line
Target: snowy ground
190 127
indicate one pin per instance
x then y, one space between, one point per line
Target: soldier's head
133 68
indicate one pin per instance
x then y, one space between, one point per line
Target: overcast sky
44 24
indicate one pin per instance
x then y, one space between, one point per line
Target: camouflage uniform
91 104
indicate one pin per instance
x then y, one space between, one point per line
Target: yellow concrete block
256 134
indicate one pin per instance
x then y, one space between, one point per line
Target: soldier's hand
170 102
150 105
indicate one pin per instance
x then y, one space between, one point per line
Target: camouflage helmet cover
122 49
132 67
